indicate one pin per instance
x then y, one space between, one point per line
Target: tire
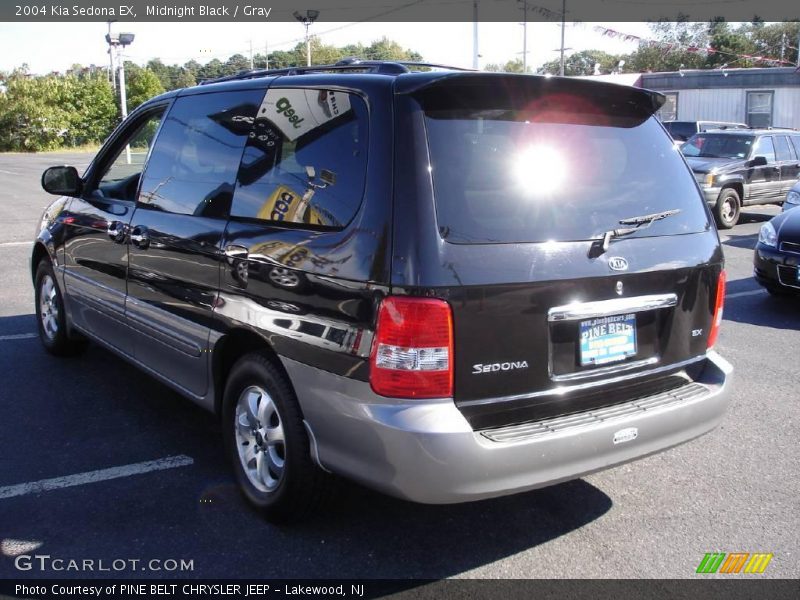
728 208
51 317
267 442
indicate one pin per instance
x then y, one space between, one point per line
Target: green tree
778 40
91 108
141 85
234 64
512 66
583 63
32 113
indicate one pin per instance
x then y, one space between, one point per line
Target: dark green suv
737 168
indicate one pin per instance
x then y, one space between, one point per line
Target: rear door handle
116 231
140 237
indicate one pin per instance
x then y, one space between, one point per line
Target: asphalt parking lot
166 493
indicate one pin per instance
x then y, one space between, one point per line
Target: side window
795 141
192 170
782 151
306 162
764 148
121 178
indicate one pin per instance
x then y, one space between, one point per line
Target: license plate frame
607 339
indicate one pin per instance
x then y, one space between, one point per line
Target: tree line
79 107
681 45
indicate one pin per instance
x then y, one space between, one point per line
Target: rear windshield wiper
600 245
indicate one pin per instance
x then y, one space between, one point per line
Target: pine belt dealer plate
607 339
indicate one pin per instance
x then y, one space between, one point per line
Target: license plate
607 339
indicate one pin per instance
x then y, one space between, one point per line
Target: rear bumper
427 452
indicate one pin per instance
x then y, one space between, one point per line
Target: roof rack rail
383 67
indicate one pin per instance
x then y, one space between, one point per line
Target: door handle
116 231
140 237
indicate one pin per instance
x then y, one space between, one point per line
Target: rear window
712 145
504 176
681 130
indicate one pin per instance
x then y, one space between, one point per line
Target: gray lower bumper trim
529 431
426 451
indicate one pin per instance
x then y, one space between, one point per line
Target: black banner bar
394 10
730 588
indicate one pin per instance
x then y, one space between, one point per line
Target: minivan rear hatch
567 234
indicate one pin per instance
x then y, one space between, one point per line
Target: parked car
486 306
739 168
792 198
683 130
777 254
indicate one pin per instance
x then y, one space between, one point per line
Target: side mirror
62 181
759 161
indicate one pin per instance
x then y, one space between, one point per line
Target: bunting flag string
668 47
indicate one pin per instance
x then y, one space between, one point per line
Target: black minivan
446 285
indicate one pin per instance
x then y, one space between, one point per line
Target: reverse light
412 353
718 305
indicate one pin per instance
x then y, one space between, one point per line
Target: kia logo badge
617 263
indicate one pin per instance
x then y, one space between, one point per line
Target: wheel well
230 348
736 186
39 252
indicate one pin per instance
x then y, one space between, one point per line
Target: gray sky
49 47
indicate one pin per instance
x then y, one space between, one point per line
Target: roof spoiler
504 90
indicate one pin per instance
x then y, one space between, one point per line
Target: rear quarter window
305 164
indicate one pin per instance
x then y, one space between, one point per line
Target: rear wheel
727 208
267 442
51 317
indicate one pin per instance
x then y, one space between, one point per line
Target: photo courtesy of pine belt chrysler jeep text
445 285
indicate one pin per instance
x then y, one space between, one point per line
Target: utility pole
475 34
251 55
524 35
563 27
798 49
266 55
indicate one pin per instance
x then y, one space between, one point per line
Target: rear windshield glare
568 173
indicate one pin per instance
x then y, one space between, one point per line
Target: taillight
412 353
718 304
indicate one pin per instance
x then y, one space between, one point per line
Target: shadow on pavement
763 310
747 242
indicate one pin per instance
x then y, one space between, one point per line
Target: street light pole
475 35
524 35
117 43
307 19
112 73
563 27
